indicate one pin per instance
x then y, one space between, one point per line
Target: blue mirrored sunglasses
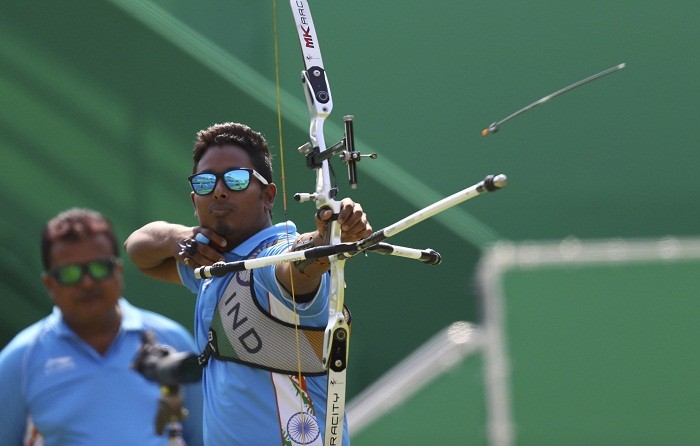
237 179
97 270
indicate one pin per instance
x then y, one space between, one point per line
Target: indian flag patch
296 412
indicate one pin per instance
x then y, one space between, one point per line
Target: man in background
71 373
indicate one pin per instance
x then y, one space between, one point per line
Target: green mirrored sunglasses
99 269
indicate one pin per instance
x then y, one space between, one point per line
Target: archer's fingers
356 232
324 215
323 218
353 221
205 255
188 260
215 240
350 214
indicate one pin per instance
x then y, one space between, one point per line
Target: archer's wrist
308 240
310 267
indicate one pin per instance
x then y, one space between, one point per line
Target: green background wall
604 354
599 343
100 102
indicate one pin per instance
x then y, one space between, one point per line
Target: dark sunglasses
97 270
236 179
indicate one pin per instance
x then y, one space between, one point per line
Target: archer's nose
220 189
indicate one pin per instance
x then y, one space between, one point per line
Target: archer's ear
269 194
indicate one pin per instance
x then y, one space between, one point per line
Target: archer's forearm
155 243
305 276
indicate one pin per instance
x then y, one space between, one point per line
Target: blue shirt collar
280 229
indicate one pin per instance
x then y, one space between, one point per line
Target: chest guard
242 331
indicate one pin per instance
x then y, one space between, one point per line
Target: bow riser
320 105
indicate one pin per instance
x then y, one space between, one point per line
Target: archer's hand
352 219
195 254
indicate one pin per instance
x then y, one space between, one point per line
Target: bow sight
348 155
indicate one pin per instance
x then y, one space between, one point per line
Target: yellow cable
284 201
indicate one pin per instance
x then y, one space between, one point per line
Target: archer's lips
221 211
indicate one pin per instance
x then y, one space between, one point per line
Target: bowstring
283 180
